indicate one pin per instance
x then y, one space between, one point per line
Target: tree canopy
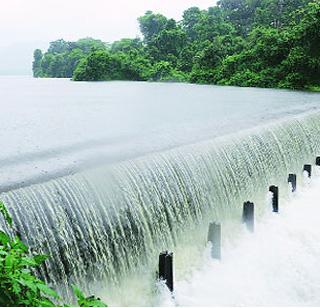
259 43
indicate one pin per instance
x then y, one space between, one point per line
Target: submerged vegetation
258 43
18 284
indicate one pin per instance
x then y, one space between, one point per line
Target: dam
124 170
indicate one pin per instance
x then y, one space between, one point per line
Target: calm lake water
53 127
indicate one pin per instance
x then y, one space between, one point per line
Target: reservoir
83 123
104 176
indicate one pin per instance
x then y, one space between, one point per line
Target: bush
18 284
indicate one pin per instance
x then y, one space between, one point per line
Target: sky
29 24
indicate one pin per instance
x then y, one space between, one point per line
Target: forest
249 43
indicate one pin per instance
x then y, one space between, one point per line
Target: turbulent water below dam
122 171
277 265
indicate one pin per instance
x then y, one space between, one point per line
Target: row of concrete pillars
214 234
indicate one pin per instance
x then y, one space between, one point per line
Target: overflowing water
104 225
55 127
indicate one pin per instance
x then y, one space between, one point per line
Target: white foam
278 265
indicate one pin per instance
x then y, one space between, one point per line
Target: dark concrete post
307 168
214 236
275 198
166 268
248 215
162 262
292 179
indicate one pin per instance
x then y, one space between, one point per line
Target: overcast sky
29 24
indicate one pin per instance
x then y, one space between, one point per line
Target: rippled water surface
53 127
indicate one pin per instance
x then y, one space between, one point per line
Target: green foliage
62 57
104 65
256 43
18 284
36 65
273 57
90 301
164 71
151 25
94 67
314 88
5 214
126 45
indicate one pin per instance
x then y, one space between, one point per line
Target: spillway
104 226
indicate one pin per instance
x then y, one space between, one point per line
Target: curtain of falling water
103 225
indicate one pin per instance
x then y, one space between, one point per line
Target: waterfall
103 225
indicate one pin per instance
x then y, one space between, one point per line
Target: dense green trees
261 43
285 57
62 57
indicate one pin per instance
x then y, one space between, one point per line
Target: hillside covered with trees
258 43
